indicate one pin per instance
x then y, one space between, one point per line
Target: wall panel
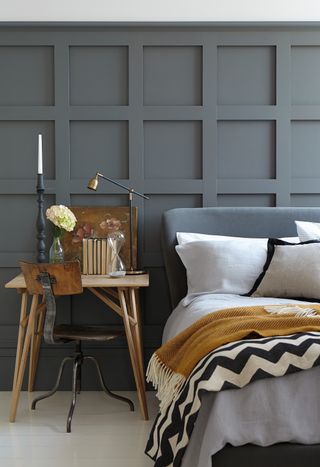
98 75
100 144
246 149
172 75
191 116
172 149
247 75
26 76
18 147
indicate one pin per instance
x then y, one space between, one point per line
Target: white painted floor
104 432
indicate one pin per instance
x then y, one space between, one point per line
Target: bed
244 222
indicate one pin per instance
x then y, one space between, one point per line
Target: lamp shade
93 183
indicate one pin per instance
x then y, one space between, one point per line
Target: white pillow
308 230
185 237
229 266
290 271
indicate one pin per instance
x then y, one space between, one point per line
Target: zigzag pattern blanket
230 366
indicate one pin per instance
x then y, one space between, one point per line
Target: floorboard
104 432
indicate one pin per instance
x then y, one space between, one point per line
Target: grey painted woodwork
191 115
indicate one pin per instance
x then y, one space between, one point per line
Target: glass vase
56 253
116 267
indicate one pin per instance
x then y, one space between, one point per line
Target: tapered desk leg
21 333
133 351
23 360
35 345
137 332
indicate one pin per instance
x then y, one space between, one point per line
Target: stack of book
96 256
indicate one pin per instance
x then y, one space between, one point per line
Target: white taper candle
40 166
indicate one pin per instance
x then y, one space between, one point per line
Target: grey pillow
291 270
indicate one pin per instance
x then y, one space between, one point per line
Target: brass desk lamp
93 185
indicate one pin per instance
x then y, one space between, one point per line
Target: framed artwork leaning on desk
99 222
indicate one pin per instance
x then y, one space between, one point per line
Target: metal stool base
78 360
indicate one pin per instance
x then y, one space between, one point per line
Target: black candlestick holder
41 223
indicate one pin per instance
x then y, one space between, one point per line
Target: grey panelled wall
190 115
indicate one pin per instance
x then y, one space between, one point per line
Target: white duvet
268 411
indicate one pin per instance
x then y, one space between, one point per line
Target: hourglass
116 267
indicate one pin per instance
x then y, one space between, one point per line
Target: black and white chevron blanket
231 366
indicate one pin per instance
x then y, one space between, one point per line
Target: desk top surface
140 280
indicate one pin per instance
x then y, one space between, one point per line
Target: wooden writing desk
119 294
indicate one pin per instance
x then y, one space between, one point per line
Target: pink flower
84 231
112 225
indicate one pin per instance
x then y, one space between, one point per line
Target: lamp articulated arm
93 184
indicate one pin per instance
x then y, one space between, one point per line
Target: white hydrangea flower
62 217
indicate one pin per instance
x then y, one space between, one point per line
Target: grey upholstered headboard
241 222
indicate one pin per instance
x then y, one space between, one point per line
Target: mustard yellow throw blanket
172 363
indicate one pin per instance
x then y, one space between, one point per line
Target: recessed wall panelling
172 75
99 314
247 75
305 147
244 200
191 116
19 145
99 199
63 310
246 149
26 76
157 300
305 66
173 149
9 297
153 210
99 146
305 200
99 75
19 213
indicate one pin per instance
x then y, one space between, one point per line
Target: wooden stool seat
74 332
